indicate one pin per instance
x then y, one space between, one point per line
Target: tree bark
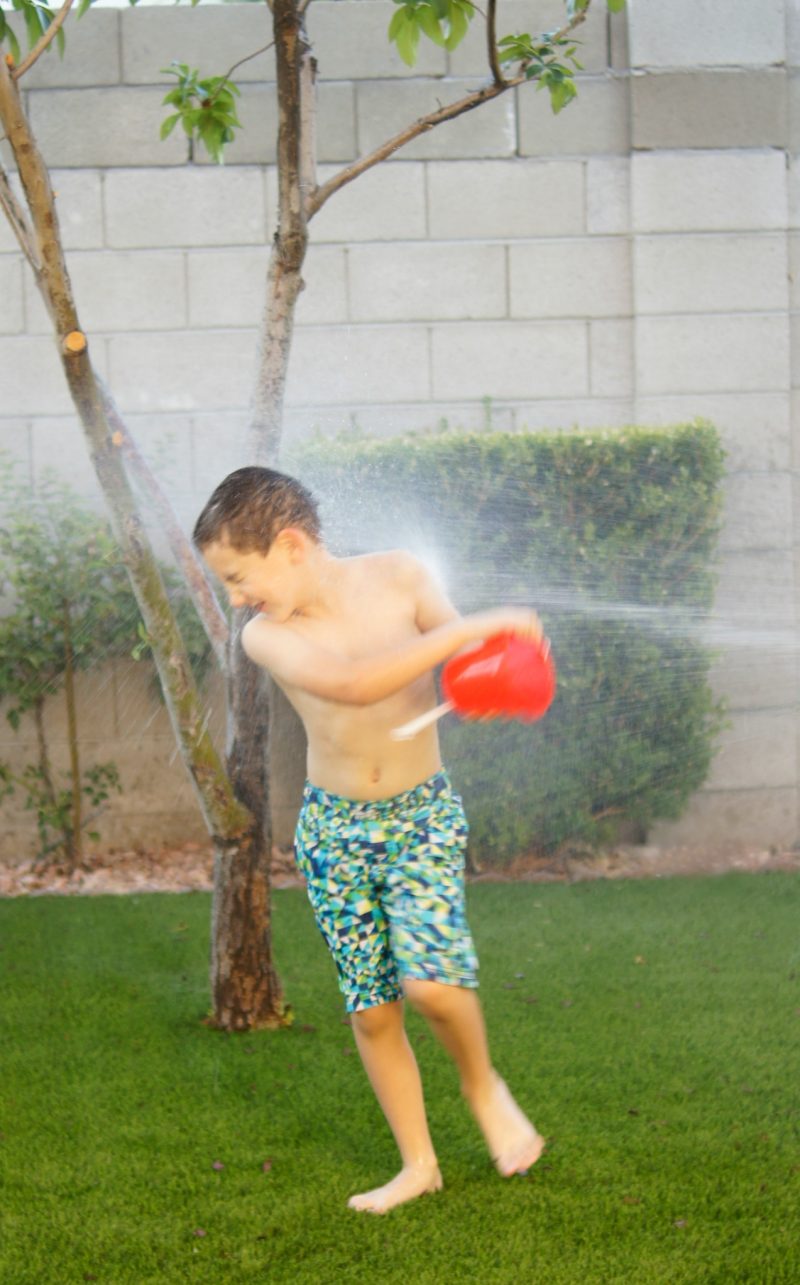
245 986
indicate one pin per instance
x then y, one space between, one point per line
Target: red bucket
506 676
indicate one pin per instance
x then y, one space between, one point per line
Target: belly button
375 775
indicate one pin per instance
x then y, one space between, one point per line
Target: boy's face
268 582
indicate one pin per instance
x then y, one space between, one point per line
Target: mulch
190 868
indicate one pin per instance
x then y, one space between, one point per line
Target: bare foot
513 1143
412 1181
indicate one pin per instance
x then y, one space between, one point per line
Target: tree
234 796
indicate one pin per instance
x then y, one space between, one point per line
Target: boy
381 834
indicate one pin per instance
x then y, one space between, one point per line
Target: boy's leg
455 1017
393 1073
424 902
336 851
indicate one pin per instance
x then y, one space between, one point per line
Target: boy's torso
350 750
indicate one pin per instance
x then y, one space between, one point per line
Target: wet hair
251 506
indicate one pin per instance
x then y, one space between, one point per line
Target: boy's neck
325 574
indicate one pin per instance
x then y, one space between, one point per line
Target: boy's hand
522 621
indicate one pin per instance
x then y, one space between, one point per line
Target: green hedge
611 535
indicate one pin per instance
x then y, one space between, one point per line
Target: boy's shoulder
397 561
404 578
395 567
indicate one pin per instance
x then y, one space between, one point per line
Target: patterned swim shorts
386 882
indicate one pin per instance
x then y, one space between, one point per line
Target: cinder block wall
629 260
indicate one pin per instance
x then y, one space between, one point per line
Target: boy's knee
431 999
377 1020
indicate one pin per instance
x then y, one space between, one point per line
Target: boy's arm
300 663
297 662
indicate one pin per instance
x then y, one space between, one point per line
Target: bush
611 535
69 606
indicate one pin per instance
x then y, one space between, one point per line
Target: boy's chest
370 622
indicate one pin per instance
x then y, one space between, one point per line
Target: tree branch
51 272
44 40
491 39
240 63
476 99
19 223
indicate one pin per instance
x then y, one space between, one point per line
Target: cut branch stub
74 342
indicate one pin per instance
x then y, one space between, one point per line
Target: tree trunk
75 829
295 71
46 771
245 986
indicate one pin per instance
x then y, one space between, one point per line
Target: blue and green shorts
385 879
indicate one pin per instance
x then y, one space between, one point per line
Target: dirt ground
190 869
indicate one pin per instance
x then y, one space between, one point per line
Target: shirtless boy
353 643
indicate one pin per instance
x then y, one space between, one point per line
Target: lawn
652 1030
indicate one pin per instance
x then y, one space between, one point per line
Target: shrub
69 607
611 535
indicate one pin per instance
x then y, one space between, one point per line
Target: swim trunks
385 879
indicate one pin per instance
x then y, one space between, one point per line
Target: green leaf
168 125
429 23
516 48
562 93
397 21
459 25
407 38
33 24
616 6
207 107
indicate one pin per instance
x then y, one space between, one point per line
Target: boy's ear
292 540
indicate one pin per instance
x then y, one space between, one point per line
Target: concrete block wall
714 149
633 259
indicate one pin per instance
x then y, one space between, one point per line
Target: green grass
669 1089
